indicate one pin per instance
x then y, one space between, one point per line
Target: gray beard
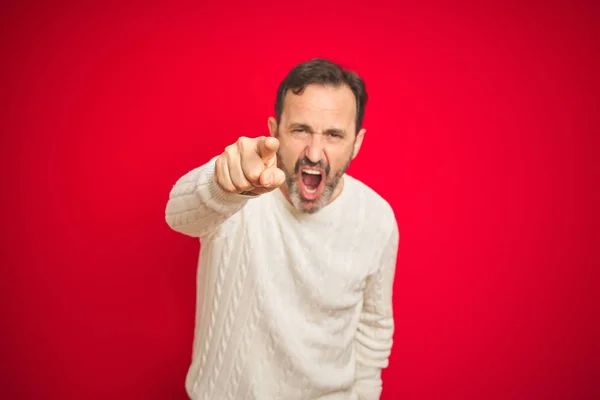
291 179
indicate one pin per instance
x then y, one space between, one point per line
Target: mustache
305 162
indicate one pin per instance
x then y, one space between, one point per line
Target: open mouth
311 180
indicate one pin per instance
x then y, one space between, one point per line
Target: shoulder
378 212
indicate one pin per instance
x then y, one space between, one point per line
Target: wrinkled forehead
322 107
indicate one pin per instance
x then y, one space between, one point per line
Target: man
297 263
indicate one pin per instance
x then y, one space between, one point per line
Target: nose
314 149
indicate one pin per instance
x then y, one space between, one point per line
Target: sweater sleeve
197 205
376 326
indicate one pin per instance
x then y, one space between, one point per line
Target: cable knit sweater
290 306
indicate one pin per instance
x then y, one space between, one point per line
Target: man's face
317 141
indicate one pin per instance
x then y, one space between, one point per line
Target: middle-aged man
297 260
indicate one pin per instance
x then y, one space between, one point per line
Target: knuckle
240 187
243 184
242 142
222 184
232 151
253 174
230 187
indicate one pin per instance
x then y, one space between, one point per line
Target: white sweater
290 306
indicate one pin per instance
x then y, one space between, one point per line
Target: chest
310 263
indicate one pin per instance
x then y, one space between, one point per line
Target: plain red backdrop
482 133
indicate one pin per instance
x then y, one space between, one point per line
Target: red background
482 133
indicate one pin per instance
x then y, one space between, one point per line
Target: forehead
321 105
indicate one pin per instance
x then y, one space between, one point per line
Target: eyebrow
308 128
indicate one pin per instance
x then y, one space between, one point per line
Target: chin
309 205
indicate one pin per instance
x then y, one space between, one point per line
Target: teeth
310 190
312 172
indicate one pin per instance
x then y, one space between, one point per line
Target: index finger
267 147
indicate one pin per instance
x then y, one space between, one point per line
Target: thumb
272 178
266 147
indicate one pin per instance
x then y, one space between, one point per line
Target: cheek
291 151
338 156
288 159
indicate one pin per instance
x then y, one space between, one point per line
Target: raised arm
376 326
205 197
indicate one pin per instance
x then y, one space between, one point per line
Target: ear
272 126
358 142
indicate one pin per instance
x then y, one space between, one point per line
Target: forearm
373 346
197 205
374 336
